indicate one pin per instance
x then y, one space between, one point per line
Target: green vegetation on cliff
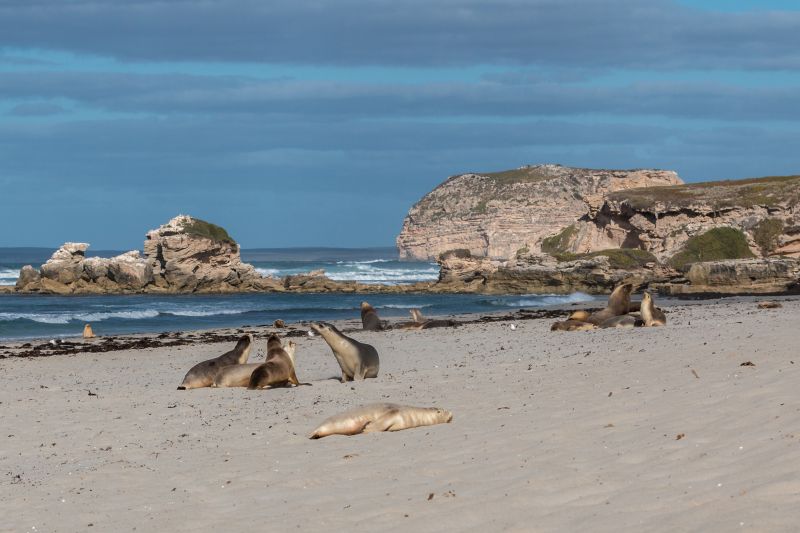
714 245
624 258
527 174
770 191
559 242
766 234
208 230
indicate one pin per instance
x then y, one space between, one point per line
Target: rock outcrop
184 255
498 214
665 221
742 276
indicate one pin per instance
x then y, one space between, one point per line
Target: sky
320 123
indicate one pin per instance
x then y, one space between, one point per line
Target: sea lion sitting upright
277 371
618 304
652 315
369 318
87 332
356 359
381 417
416 316
202 374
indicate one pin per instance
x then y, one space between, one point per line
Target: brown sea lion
618 304
277 371
235 375
652 315
202 374
356 359
622 321
381 417
769 305
87 332
572 325
369 318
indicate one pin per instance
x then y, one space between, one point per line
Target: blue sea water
37 316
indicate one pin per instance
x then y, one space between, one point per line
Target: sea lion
277 371
202 374
420 322
769 305
369 318
572 325
235 375
357 360
416 316
87 332
622 321
279 324
618 304
652 315
381 417
580 315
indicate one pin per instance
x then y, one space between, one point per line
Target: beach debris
769 305
679 436
512 327
748 363
430 496
311 333
694 372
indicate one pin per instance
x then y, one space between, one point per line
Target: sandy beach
650 429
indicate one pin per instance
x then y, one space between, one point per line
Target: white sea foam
268 271
534 300
208 312
66 318
8 276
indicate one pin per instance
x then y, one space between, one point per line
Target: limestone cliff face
663 220
497 214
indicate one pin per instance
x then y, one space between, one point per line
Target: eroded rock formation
498 214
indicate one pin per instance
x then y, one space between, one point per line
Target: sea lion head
366 307
325 328
445 415
646 298
244 342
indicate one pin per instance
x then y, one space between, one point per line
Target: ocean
35 316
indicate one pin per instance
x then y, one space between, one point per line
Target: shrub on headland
208 230
713 245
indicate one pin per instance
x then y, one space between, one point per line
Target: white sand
552 432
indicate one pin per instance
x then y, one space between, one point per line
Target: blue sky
298 124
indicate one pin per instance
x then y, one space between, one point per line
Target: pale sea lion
202 374
416 316
618 304
652 315
235 375
369 318
381 417
87 332
580 315
356 359
277 371
572 325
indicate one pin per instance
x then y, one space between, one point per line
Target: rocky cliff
696 222
498 214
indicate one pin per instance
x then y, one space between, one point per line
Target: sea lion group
619 313
357 360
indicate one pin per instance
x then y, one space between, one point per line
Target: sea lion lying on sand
572 325
381 417
420 322
202 374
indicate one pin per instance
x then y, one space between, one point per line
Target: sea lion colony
359 361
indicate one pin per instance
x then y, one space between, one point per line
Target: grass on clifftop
713 245
624 258
208 230
769 191
518 175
